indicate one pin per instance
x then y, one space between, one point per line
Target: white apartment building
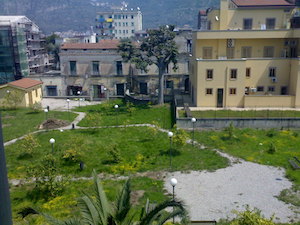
118 24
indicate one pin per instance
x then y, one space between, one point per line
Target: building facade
96 70
246 55
21 48
118 23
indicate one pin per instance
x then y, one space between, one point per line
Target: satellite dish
138 8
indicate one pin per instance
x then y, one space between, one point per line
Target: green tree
52 48
159 49
95 209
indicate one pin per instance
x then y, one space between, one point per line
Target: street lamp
170 135
68 103
193 120
46 113
116 108
52 141
173 182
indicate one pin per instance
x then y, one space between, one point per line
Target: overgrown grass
66 205
106 115
22 121
139 148
268 147
242 114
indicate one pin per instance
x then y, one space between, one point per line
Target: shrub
74 149
114 155
180 138
251 217
36 107
271 133
28 145
230 131
272 148
47 182
72 155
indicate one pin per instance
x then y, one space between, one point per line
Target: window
209 91
169 84
96 70
36 93
131 16
270 23
126 31
73 67
209 74
272 72
123 24
269 51
126 24
207 53
232 91
120 31
260 88
132 31
1 40
247 24
119 23
126 17
119 17
119 68
230 53
233 74
271 89
246 52
248 72
132 23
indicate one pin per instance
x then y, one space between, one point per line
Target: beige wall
30 96
269 101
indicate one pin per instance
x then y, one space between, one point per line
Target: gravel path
213 195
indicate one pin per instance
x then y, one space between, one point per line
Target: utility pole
5 208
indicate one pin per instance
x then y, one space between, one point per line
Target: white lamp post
68 103
116 108
173 182
52 141
46 113
170 135
193 120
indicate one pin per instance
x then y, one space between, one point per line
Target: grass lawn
138 149
254 145
22 121
241 114
106 115
65 205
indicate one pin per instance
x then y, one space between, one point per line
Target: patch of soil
135 196
6 125
53 123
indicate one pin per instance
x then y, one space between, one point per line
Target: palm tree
96 210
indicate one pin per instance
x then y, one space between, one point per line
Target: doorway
220 97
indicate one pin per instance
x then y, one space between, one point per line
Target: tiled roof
25 83
260 3
103 44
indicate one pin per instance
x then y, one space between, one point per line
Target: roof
263 3
202 12
103 44
25 83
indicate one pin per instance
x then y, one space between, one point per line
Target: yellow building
246 55
21 93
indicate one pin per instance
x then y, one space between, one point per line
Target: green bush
271 133
28 145
114 154
180 137
272 148
251 217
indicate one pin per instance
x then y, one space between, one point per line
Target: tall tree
97 210
158 48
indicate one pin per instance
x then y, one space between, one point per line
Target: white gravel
213 195
61 104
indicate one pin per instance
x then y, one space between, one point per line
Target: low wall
252 101
220 123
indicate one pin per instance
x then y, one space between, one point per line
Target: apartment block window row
260 88
271 89
209 74
247 24
96 68
270 23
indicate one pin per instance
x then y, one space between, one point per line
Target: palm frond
177 212
102 205
152 215
54 221
123 202
88 210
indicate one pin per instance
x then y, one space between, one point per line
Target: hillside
79 15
